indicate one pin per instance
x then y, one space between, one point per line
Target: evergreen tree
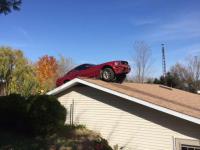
6 6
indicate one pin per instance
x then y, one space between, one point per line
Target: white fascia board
142 102
64 87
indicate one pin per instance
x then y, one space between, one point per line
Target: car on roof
113 71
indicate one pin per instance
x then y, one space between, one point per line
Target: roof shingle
174 99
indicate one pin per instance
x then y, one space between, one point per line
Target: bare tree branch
194 70
64 65
142 61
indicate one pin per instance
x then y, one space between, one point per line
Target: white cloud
184 27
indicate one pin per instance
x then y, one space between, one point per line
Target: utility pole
163 60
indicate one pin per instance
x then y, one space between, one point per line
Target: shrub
46 114
101 144
40 115
13 112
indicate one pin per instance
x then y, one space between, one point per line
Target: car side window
78 68
82 67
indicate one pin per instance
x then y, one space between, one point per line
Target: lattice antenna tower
163 60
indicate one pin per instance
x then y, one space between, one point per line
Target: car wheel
120 78
108 74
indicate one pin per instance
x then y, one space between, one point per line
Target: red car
110 71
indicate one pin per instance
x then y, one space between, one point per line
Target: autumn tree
47 72
6 6
16 73
142 61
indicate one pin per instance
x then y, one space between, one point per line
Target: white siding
125 123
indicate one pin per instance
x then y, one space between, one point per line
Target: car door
85 71
93 71
71 75
88 71
75 72
79 71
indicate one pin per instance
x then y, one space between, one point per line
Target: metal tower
163 60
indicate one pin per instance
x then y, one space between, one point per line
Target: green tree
179 77
17 73
6 6
170 80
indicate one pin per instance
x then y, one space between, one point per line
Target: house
134 116
198 92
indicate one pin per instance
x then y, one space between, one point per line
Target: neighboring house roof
176 102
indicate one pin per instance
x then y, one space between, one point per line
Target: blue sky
96 31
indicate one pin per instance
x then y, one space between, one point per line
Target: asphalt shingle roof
174 99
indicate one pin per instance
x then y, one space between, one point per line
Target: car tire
120 78
108 74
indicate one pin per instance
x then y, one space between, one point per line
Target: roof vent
165 87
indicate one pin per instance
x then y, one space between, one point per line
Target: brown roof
174 99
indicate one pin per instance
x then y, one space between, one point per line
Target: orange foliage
46 71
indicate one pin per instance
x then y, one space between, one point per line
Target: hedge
36 115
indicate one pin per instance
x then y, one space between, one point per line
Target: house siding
130 125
